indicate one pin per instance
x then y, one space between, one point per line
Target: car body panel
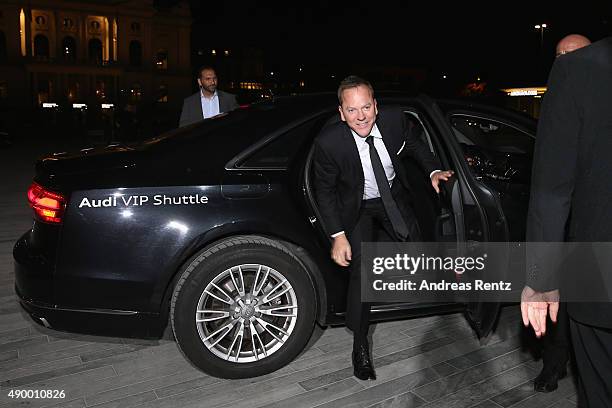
120 245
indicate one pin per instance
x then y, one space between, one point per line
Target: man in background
208 102
555 345
570 43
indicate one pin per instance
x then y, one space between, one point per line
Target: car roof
235 131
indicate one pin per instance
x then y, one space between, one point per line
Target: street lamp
541 27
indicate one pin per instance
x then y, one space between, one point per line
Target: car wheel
243 308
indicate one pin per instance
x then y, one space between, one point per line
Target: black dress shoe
546 381
362 363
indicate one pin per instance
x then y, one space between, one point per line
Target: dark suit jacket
338 175
192 107
572 169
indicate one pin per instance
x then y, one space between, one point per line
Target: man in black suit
208 102
362 191
571 172
556 343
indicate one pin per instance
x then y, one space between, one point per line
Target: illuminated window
114 39
135 53
22 32
100 90
214 52
226 53
69 48
251 85
161 59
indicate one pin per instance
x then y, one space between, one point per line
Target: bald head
571 43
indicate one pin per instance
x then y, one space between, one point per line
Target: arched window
69 48
135 53
2 46
95 50
41 46
161 59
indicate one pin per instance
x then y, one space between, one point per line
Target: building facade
94 52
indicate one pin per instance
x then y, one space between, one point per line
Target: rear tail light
47 205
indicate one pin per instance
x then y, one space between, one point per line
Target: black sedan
214 228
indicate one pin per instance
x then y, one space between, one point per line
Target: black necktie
399 225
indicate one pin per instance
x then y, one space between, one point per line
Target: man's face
208 80
358 110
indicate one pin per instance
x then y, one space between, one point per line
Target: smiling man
363 193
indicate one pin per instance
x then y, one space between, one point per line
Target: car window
491 135
494 150
281 150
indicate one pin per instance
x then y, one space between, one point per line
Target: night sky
464 40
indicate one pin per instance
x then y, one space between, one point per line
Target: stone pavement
431 362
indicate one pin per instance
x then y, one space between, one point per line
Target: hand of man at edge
535 306
341 250
437 176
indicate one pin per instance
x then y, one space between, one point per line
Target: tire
247 285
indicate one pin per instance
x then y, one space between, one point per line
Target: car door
498 153
476 213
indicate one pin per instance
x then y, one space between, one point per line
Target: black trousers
373 226
593 349
555 345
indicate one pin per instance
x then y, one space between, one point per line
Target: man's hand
535 306
440 175
341 250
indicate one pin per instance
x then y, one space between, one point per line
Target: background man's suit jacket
339 180
192 107
572 170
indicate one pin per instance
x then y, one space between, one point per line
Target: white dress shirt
370 188
210 106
